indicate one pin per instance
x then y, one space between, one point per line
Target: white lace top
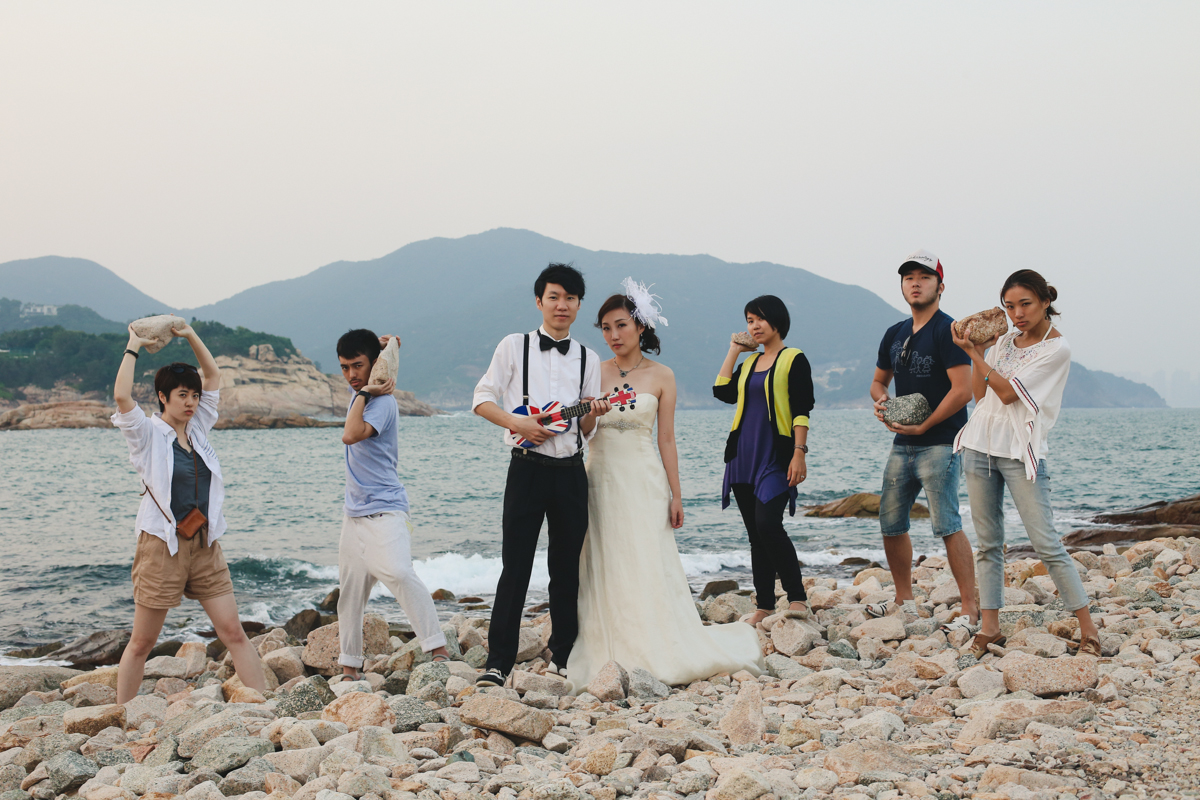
1020 430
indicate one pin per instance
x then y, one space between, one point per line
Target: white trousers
378 548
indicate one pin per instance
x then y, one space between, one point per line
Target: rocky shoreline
850 707
260 390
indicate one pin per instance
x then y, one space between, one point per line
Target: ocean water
68 500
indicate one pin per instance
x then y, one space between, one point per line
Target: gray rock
95 650
16 682
477 656
166 752
226 723
68 770
47 747
842 649
229 752
784 668
250 778
644 685
10 777
304 696
366 779
110 758
426 674
397 682
411 713
15 794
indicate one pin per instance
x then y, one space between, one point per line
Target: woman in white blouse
1018 386
180 519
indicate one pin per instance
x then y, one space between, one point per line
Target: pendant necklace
625 372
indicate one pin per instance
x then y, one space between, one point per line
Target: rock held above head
157 328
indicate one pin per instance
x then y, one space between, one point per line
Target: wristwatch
803 448
365 395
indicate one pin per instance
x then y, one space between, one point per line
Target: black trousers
536 492
771 551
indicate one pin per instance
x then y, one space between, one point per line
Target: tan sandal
979 646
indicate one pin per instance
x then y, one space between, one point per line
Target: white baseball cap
926 261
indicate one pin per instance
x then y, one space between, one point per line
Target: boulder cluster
851 708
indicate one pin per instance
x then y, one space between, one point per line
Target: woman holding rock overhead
766 449
180 517
1018 386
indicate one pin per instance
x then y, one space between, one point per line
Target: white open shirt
150 441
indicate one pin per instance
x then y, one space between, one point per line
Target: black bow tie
545 342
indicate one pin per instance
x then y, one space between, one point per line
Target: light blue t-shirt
372 484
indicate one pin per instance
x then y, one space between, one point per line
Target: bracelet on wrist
129 352
990 371
365 395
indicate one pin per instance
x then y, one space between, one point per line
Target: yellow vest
784 420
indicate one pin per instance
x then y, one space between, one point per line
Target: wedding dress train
635 605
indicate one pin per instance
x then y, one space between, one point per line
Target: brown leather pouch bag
192 523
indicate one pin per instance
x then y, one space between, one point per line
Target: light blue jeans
986 478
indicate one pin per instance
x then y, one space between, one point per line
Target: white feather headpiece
646 307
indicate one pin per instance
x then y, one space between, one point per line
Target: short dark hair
172 376
772 309
649 342
564 275
1034 282
359 342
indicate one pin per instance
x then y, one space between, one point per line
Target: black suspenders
582 373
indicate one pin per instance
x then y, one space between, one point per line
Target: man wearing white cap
919 353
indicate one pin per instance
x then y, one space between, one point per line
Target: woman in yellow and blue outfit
765 453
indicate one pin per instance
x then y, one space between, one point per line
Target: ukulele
560 417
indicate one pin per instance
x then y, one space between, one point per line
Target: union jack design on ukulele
560 417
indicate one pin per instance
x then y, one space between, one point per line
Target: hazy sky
198 149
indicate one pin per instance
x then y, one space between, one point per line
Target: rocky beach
850 707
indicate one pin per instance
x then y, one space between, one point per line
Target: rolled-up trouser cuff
350 661
430 643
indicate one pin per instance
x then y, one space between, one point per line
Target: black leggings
771 551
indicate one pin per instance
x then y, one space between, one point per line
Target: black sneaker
493 677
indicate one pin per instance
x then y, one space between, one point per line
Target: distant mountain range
452 300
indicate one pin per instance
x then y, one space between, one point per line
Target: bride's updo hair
649 342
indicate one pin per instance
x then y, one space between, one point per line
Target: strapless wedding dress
635 605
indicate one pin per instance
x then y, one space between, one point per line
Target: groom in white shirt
547 482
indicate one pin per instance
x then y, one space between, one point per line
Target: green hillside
69 317
88 362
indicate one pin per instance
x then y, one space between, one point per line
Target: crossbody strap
152 497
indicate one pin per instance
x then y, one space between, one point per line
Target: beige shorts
196 572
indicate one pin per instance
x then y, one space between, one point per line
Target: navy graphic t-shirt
931 352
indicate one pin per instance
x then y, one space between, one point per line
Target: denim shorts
936 469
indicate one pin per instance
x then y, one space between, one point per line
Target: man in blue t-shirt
920 354
376 531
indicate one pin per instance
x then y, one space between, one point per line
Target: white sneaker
555 669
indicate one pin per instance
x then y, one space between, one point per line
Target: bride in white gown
635 605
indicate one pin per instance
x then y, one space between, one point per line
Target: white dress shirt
150 441
552 376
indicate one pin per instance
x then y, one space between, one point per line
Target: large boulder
324 648
90 720
101 648
498 714
861 504
1049 676
16 682
358 709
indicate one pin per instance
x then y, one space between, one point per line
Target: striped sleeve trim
1020 387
